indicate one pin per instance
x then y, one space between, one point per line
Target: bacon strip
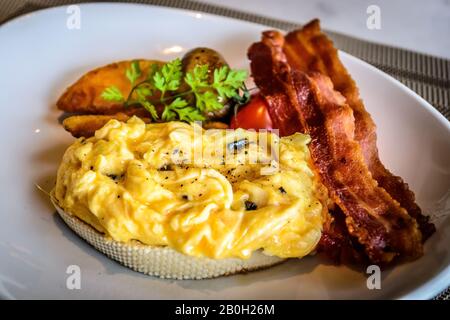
336 242
380 225
310 50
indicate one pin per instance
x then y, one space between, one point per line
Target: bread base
162 261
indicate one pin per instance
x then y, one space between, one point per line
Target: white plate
40 56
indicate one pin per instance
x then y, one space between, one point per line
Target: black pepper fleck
166 167
249 206
112 176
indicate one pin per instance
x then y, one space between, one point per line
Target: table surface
417 25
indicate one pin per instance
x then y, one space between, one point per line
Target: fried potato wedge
84 96
86 125
214 125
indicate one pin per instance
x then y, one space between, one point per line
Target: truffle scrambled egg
206 193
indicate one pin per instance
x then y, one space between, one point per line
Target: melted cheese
213 193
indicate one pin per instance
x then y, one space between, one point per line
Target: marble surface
412 24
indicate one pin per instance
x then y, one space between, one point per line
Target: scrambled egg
214 193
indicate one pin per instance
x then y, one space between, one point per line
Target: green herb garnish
112 94
166 80
134 72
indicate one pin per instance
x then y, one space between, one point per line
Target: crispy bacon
379 223
336 242
310 50
283 118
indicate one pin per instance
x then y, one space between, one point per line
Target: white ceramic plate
40 56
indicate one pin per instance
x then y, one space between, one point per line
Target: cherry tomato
254 115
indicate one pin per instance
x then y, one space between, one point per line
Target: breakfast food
133 181
162 261
86 125
309 50
198 87
85 95
133 185
325 115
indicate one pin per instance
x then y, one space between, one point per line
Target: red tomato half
253 115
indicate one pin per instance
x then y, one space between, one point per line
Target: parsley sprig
209 94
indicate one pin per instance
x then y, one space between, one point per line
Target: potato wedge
84 96
86 125
214 125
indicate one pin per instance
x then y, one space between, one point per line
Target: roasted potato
84 96
201 56
214 125
86 125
